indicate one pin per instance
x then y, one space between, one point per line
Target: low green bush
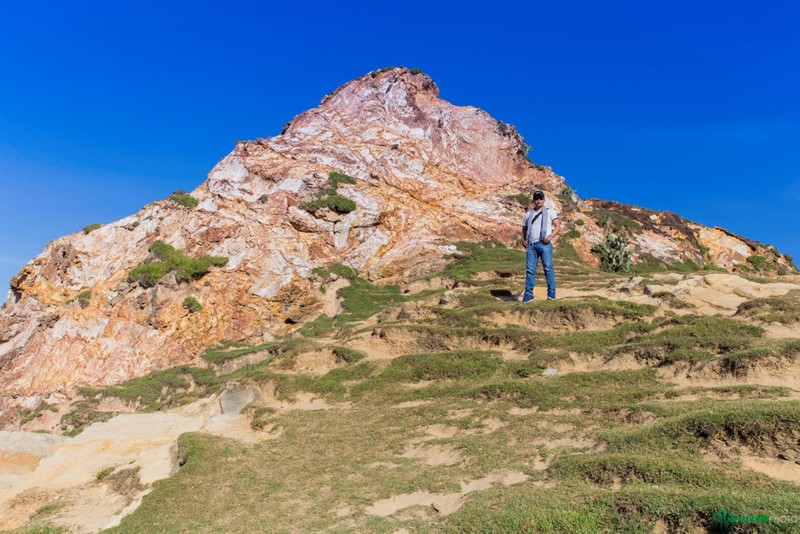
192 304
83 298
168 260
184 199
91 227
330 198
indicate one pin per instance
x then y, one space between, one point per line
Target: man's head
538 199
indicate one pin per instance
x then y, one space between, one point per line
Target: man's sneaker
551 298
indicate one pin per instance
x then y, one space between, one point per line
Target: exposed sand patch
445 455
17 463
781 469
515 410
143 448
764 372
440 431
446 503
782 331
317 362
331 302
554 427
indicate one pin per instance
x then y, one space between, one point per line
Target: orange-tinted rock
427 174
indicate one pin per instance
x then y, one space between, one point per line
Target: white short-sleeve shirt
535 229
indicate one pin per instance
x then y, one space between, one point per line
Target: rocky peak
383 176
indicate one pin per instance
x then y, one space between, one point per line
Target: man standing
539 227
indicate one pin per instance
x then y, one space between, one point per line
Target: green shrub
521 198
572 234
91 227
616 223
760 263
330 198
184 199
790 261
332 202
686 266
614 254
580 222
415 71
192 304
568 192
83 298
147 274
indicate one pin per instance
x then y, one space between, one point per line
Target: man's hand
547 240
525 243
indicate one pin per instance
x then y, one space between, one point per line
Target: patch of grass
103 473
738 363
91 227
760 263
222 353
458 364
148 273
620 389
83 414
192 304
348 354
521 198
686 266
624 467
83 298
615 223
784 309
361 298
748 422
319 327
184 199
572 234
692 338
473 258
163 389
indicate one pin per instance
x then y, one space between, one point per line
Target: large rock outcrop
427 174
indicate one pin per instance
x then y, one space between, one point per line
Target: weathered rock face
427 174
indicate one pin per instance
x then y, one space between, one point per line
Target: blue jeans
535 251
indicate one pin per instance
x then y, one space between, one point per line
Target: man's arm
554 233
524 236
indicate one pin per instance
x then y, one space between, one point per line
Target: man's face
538 203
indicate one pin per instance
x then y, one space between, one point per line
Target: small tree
614 254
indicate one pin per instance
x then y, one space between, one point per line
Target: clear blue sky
692 106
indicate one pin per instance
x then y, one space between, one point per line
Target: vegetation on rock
168 260
192 304
614 254
91 227
330 198
184 199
